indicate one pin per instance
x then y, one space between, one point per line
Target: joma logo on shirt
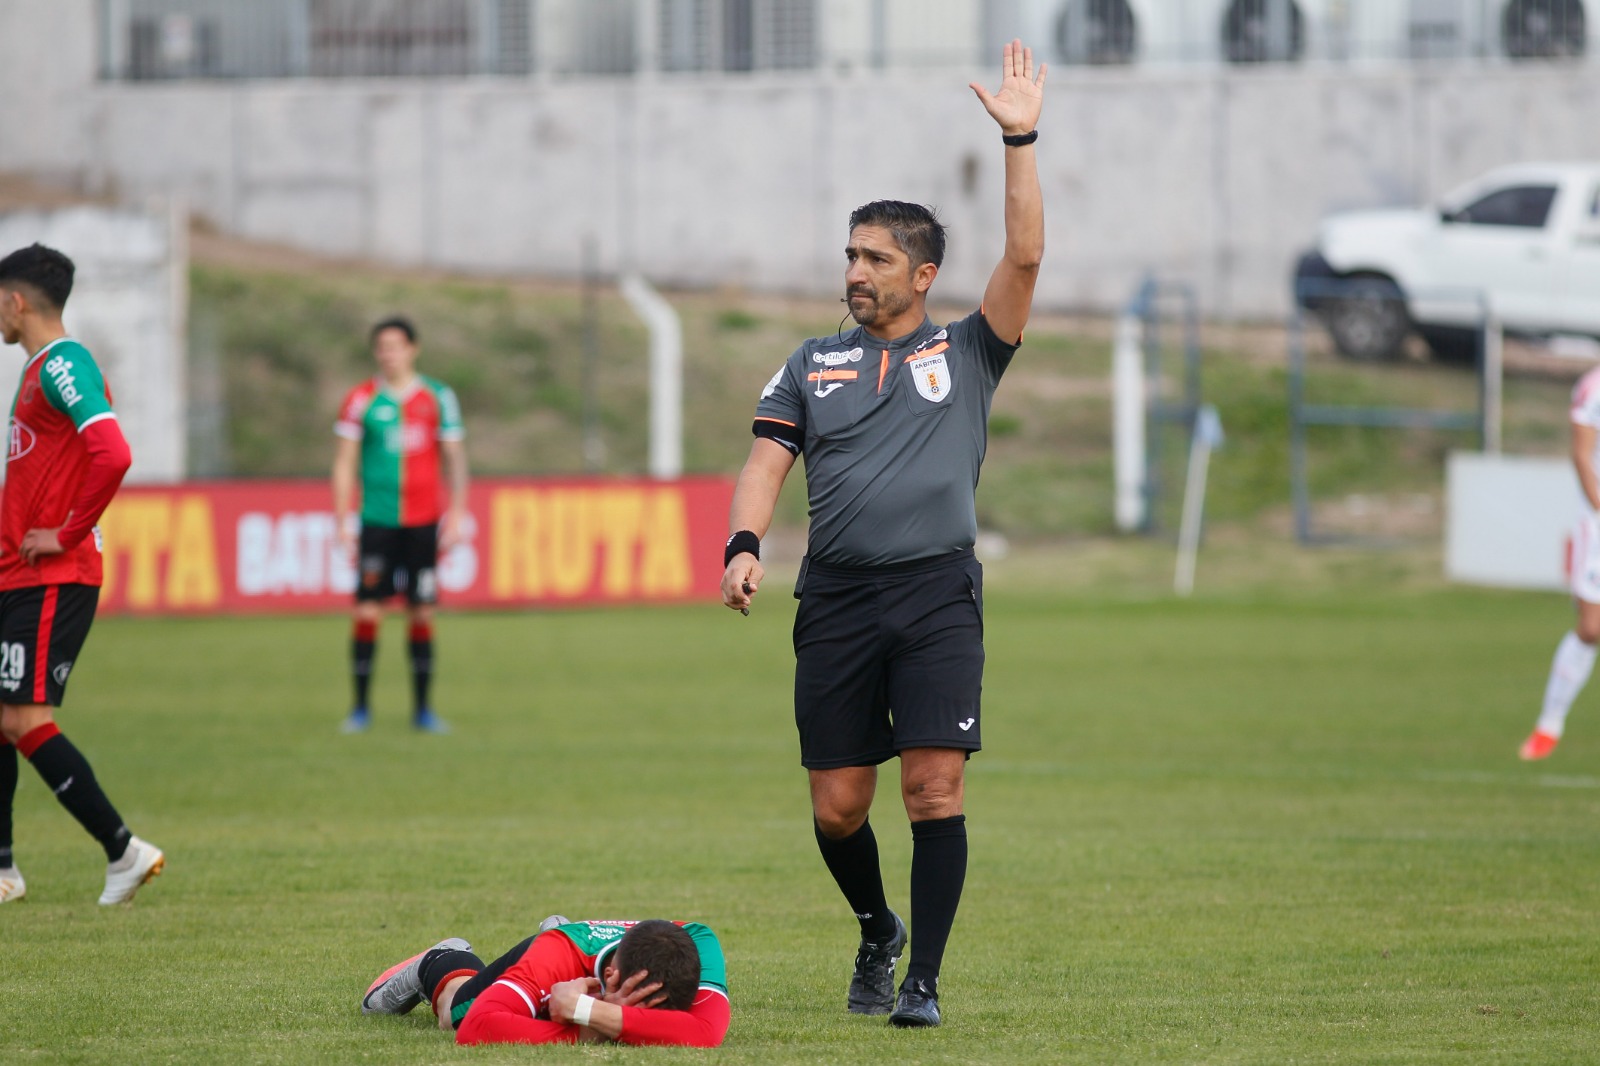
60 372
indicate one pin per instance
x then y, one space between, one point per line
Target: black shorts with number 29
42 630
888 658
398 559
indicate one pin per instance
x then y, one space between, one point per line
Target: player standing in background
892 419
397 433
66 458
1575 654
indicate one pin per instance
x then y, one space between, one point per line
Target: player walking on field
401 440
66 458
1574 659
892 419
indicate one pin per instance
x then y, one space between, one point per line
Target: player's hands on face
564 997
1017 104
39 543
741 580
636 991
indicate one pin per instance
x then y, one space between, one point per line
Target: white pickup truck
1521 241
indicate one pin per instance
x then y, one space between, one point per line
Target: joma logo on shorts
60 372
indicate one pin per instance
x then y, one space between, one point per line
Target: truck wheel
1368 318
1457 345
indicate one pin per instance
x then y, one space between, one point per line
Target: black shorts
398 559
42 629
888 658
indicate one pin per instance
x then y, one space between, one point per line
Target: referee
892 420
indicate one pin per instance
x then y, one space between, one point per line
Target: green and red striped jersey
62 394
583 949
400 433
598 939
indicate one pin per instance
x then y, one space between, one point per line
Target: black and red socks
67 773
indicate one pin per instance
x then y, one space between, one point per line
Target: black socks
440 963
421 665
363 647
938 872
8 791
853 862
67 773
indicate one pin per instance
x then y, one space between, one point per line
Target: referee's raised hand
1017 104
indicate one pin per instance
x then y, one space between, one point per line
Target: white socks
1568 672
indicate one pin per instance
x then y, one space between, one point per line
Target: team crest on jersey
61 671
22 441
932 376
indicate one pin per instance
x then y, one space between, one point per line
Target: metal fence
1482 333
164 39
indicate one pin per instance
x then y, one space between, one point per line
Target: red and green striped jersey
62 392
400 433
516 1008
598 939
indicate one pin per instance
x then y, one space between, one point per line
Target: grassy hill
285 341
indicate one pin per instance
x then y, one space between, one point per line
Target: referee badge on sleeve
932 376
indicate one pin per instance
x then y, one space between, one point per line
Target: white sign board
1508 519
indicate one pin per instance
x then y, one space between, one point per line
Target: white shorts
1583 559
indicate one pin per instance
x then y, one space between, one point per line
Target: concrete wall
1214 176
129 307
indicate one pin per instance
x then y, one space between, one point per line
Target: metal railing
168 39
1466 306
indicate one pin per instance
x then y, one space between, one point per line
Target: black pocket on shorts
974 576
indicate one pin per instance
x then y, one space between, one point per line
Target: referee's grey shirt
893 434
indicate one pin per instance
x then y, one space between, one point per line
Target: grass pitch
1230 830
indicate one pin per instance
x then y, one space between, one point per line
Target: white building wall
1213 175
128 307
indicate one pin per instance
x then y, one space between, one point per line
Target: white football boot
138 865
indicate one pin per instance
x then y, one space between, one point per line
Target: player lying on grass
649 982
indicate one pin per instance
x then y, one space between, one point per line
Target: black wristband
1020 139
740 542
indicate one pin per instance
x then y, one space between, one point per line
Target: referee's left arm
1016 107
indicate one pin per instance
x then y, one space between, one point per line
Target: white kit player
1575 655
